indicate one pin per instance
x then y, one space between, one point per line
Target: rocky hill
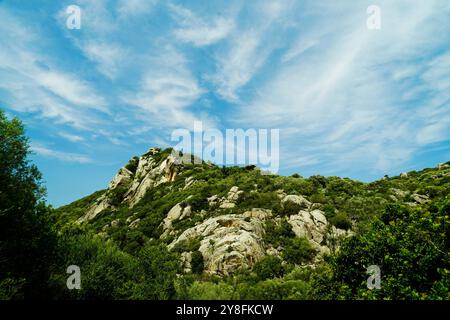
222 220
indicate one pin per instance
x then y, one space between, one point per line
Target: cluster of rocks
178 212
149 174
227 202
398 194
229 242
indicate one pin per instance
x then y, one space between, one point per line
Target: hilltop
227 221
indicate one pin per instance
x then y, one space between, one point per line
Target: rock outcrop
229 242
314 226
234 241
130 187
227 202
299 200
178 212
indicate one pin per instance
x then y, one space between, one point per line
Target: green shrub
298 251
133 164
268 267
411 248
278 234
290 208
341 221
210 291
276 289
187 245
197 263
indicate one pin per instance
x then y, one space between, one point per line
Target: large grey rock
123 177
227 202
178 212
102 203
229 242
314 227
149 174
420 198
300 200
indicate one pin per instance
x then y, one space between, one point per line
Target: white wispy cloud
130 8
108 56
71 137
166 91
63 156
344 98
247 50
69 88
343 87
196 30
35 85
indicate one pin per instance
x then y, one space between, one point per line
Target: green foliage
210 291
407 239
106 271
277 289
411 248
197 263
116 195
278 234
290 208
109 273
341 220
27 242
132 164
268 267
298 251
187 245
160 268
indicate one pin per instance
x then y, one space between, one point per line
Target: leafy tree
268 267
160 268
341 221
106 272
298 251
26 240
411 247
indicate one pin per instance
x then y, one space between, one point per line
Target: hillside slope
225 220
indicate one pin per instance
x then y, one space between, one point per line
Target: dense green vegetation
406 236
27 243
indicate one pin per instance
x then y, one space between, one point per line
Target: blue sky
348 101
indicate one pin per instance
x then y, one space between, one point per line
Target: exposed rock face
300 200
149 174
420 198
122 177
229 242
178 212
134 224
398 193
101 204
234 241
186 259
314 227
227 202
188 182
